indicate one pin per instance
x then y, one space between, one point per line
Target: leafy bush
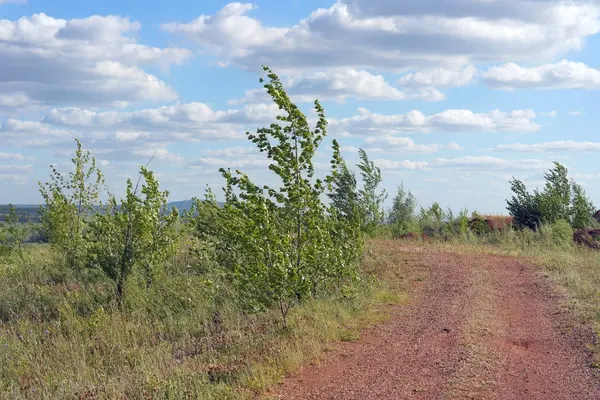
561 233
561 199
138 235
402 215
281 246
69 203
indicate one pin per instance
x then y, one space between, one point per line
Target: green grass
62 337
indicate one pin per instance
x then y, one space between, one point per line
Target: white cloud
137 135
398 145
453 146
549 114
397 35
557 146
93 61
468 163
562 75
368 123
11 156
436 180
159 153
488 163
16 179
232 152
339 85
16 168
390 165
181 122
576 113
216 163
440 77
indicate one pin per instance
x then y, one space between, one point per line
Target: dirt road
477 327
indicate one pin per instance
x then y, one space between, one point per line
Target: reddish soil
477 327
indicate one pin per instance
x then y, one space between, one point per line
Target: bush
562 233
561 199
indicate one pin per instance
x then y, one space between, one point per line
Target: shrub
69 203
136 236
561 199
562 233
280 246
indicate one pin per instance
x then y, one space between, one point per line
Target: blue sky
452 98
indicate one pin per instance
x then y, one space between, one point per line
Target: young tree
281 245
13 234
137 235
582 208
69 202
561 199
402 214
371 199
344 194
554 202
524 207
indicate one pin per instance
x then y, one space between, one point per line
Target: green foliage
281 246
432 221
402 215
478 225
13 234
554 201
345 196
69 202
457 225
561 199
137 235
582 208
370 198
524 207
561 233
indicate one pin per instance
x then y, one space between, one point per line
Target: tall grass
62 336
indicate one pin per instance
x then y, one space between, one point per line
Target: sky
451 98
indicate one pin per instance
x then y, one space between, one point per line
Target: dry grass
107 354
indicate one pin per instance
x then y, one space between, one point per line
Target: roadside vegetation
132 298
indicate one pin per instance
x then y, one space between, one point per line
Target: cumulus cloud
368 123
397 35
11 156
399 145
392 165
182 122
16 168
339 85
556 146
93 61
467 163
15 179
440 77
488 163
136 135
562 75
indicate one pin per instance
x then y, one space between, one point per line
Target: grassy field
59 340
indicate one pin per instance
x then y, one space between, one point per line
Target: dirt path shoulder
477 327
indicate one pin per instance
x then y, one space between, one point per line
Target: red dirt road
477 327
